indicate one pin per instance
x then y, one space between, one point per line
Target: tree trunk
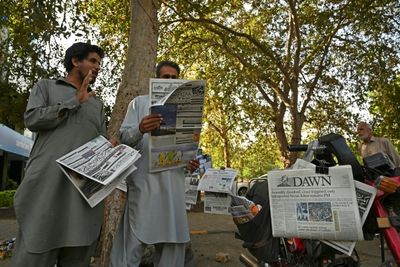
139 67
227 155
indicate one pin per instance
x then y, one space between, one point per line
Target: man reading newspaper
155 211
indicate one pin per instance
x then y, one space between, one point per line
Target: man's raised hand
82 94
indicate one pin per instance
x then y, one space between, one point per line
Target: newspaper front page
217 203
218 185
310 205
365 198
96 168
176 141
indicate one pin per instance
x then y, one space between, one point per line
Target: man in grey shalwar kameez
56 225
155 210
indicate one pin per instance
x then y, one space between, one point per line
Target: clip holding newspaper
180 104
310 205
97 168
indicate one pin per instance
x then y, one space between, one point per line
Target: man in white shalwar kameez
155 210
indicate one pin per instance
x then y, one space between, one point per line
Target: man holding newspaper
56 225
155 207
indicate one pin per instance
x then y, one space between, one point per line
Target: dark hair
167 63
80 51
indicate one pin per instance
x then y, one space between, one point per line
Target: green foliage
308 60
12 106
11 184
7 198
272 69
385 99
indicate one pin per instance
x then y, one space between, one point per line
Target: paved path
212 234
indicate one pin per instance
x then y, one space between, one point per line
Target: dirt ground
212 234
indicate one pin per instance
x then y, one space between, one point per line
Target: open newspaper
181 109
96 168
311 205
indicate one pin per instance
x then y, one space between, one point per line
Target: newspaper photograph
96 168
218 180
191 192
175 142
217 203
365 198
311 205
99 160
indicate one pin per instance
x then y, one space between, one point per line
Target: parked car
244 186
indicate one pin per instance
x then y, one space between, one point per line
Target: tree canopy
286 70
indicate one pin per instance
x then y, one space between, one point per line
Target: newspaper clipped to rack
218 185
311 205
365 198
97 168
192 180
180 104
191 192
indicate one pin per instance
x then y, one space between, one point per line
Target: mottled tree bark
139 67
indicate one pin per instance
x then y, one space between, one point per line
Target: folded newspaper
97 168
180 104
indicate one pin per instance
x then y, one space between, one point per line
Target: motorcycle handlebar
295 148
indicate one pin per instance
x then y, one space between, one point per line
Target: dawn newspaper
311 205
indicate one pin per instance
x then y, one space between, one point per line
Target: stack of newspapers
242 209
97 168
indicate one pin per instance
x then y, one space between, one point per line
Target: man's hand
82 94
114 142
193 165
150 123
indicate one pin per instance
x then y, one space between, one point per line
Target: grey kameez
156 201
50 211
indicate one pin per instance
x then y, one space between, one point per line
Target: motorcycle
327 151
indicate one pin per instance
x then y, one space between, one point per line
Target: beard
364 137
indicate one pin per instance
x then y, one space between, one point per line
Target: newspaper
160 88
176 141
191 192
217 203
218 185
96 168
365 198
218 180
310 205
205 163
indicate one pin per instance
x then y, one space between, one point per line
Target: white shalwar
155 210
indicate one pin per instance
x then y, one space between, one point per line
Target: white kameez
156 201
